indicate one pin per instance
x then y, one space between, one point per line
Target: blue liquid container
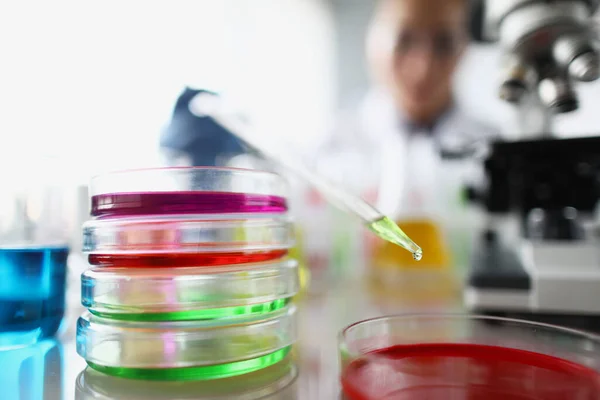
32 293
32 372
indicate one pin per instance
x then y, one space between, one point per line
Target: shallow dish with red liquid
418 357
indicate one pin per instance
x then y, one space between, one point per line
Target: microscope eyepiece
576 54
586 67
557 94
512 91
519 78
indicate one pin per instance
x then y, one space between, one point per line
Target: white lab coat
402 172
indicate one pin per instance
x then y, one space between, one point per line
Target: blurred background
90 87
93 84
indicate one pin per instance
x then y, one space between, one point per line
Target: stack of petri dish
190 278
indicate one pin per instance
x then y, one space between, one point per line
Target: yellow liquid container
428 235
395 273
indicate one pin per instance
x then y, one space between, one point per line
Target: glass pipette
207 104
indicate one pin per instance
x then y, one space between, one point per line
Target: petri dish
271 383
448 356
186 240
187 190
186 350
179 294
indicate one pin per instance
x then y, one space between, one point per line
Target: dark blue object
200 138
32 293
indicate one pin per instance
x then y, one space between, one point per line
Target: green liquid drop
388 230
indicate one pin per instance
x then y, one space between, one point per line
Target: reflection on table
274 383
32 372
52 370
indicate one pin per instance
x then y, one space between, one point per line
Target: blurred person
410 146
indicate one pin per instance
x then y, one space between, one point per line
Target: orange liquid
428 235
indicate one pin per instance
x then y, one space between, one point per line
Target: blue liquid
32 293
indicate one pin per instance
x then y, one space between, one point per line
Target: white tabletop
55 365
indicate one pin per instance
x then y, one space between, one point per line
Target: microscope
538 255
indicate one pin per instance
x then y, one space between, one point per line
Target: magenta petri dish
187 190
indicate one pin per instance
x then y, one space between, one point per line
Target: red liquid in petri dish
467 371
177 203
184 259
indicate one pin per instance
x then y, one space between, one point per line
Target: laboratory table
53 370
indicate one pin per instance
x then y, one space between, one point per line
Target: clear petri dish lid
187 234
277 382
186 350
179 294
187 190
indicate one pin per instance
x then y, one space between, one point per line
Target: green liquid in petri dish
207 372
198 315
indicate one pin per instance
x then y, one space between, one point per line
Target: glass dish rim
190 168
343 347
105 178
280 326
103 231
93 271
221 220
272 387
190 328
283 273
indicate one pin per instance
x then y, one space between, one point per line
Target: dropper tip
417 255
388 230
